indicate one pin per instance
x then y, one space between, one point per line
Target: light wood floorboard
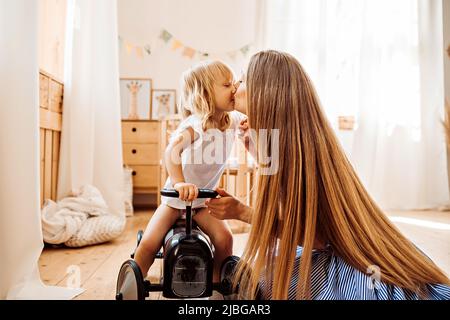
100 264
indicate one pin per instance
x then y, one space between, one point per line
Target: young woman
316 233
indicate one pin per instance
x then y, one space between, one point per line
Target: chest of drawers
143 146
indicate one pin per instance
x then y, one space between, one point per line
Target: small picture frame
163 103
135 98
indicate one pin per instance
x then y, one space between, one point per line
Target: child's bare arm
172 159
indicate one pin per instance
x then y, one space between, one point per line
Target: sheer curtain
21 240
377 60
91 147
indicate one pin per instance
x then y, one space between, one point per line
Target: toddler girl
195 158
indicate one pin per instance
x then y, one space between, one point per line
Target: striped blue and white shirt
332 278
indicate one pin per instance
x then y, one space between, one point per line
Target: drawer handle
134 129
134 173
134 151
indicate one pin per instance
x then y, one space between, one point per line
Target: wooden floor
99 265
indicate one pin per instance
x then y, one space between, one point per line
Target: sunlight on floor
421 223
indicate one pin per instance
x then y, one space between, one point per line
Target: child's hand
187 191
243 132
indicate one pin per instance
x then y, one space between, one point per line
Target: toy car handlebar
202 193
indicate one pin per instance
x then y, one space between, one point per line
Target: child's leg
220 234
161 221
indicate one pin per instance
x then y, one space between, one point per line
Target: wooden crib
50 123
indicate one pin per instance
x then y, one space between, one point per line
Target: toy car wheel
226 277
130 283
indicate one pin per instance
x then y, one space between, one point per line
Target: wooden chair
239 180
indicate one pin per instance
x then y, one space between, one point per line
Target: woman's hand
228 207
187 191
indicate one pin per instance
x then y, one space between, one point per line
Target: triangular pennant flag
148 49
188 52
140 52
129 48
176 44
245 50
203 55
165 36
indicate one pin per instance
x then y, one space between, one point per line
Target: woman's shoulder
333 278
337 279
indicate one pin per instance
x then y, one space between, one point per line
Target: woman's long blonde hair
315 194
197 87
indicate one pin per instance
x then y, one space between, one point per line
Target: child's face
224 94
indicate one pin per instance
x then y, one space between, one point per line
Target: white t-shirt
204 161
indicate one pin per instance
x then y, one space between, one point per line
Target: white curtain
380 61
91 147
20 227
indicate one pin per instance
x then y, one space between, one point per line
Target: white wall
446 23
213 26
446 39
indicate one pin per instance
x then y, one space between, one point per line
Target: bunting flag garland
140 52
203 55
188 52
131 48
175 44
165 36
245 50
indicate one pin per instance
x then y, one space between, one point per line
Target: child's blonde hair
197 92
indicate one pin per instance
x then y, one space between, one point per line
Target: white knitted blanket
80 220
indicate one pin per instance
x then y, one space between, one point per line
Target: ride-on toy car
188 258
